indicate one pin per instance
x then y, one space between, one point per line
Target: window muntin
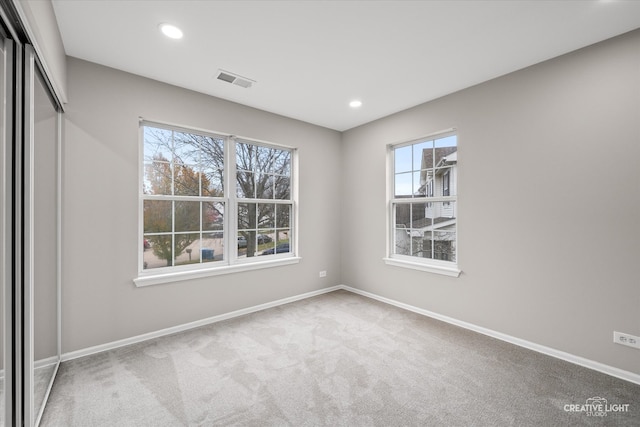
424 200
185 208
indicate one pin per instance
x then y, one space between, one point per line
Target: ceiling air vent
235 79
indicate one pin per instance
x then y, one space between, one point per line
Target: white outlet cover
626 339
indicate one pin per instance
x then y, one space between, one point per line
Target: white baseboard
44 363
596 366
184 327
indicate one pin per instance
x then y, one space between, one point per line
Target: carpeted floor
338 359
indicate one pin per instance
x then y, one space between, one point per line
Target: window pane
265 239
245 157
186 249
279 245
187 216
264 186
246 216
266 215
427 182
419 216
403 159
186 180
402 242
282 163
157 144
419 157
418 187
403 184
402 215
282 187
187 148
245 186
265 158
444 212
212 166
444 247
157 216
213 216
445 152
419 244
246 243
158 251
283 236
449 141
212 182
157 178
445 182
211 247
283 216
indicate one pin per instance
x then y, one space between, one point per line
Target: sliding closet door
41 338
6 208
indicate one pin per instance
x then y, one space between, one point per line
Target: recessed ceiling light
171 31
356 103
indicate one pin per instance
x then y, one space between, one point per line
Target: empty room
320 213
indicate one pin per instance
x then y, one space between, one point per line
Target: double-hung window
212 204
423 204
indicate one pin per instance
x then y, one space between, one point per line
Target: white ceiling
310 58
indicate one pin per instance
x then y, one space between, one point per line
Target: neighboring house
431 226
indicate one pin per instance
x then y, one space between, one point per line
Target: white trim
558 354
177 276
186 326
43 363
452 271
430 136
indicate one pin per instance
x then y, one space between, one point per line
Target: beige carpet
338 359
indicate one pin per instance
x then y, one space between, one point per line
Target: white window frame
231 262
447 268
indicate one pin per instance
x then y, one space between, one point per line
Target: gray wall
549 203
100 208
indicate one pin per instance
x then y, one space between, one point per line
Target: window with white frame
423 203
211 200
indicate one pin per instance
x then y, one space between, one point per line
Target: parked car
242 242
281 248
263 238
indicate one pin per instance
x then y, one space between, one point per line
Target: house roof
439 153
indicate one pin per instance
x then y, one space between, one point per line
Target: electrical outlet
323 273
626 339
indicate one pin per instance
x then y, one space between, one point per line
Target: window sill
148 279
444 270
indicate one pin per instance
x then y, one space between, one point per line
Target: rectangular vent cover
235 79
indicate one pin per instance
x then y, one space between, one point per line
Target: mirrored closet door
6 83
30 274
41 287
